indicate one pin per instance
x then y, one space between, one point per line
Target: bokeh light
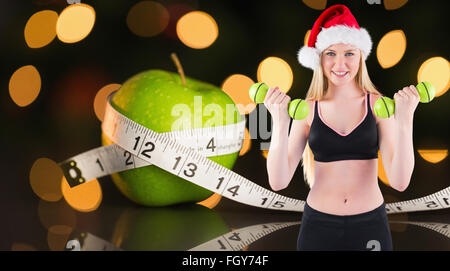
56 213
77 90
212 201
316 4
197 29
57 237
45 179
176 11
381 172
237 86
246 145
100 99
264 153
147 18
435 70
394 4
305 41
433 156
85 197
40 29
22 247
391 48
25 85
274 71
75 23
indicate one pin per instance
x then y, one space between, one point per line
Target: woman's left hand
406 101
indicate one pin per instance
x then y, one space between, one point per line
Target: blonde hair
315 92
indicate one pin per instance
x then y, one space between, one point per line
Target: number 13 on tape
190 165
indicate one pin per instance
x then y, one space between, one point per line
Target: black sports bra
329 145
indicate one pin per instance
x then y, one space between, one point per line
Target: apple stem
178 64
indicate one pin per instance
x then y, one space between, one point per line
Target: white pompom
308 57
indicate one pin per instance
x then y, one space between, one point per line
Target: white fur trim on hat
308 57
344 34
360 38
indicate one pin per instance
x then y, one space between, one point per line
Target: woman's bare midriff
345 187
351 187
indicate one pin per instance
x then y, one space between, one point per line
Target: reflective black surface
119 224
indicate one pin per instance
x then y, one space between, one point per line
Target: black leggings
365 231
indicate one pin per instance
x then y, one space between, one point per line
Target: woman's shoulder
311 104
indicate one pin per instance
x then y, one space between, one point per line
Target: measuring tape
85 241
183 153
238 239
231 241
441 228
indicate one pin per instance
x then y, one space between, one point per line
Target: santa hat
335 25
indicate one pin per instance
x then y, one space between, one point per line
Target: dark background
61 122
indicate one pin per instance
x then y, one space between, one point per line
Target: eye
349 54
330 54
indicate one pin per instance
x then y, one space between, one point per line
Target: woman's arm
396 139
403 159
286 152
277 158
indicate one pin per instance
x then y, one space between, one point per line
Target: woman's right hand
277 103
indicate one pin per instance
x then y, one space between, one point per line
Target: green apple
167 228
155 99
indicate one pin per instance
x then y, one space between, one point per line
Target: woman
340 140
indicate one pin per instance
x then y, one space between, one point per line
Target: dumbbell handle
298 109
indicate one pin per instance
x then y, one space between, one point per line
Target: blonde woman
338 142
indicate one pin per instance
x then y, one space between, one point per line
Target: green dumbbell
385 107
298 109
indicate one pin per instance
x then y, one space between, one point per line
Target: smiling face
340 63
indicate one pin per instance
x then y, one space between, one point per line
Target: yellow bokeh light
237 87
394 4
305 41
147 18
265 153
274 71
25 85
197 29
57 237
85 197
435 70
75 22
212 201
391 48
56 213
246 144
100 99
40 29
22 247
45 178
433 156
381 173
316 4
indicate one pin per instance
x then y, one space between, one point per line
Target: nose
339 62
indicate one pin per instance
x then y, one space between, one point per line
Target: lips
339 74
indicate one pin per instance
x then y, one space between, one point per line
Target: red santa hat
335 25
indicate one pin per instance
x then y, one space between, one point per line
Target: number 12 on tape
189 165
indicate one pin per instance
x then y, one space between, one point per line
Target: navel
345 200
